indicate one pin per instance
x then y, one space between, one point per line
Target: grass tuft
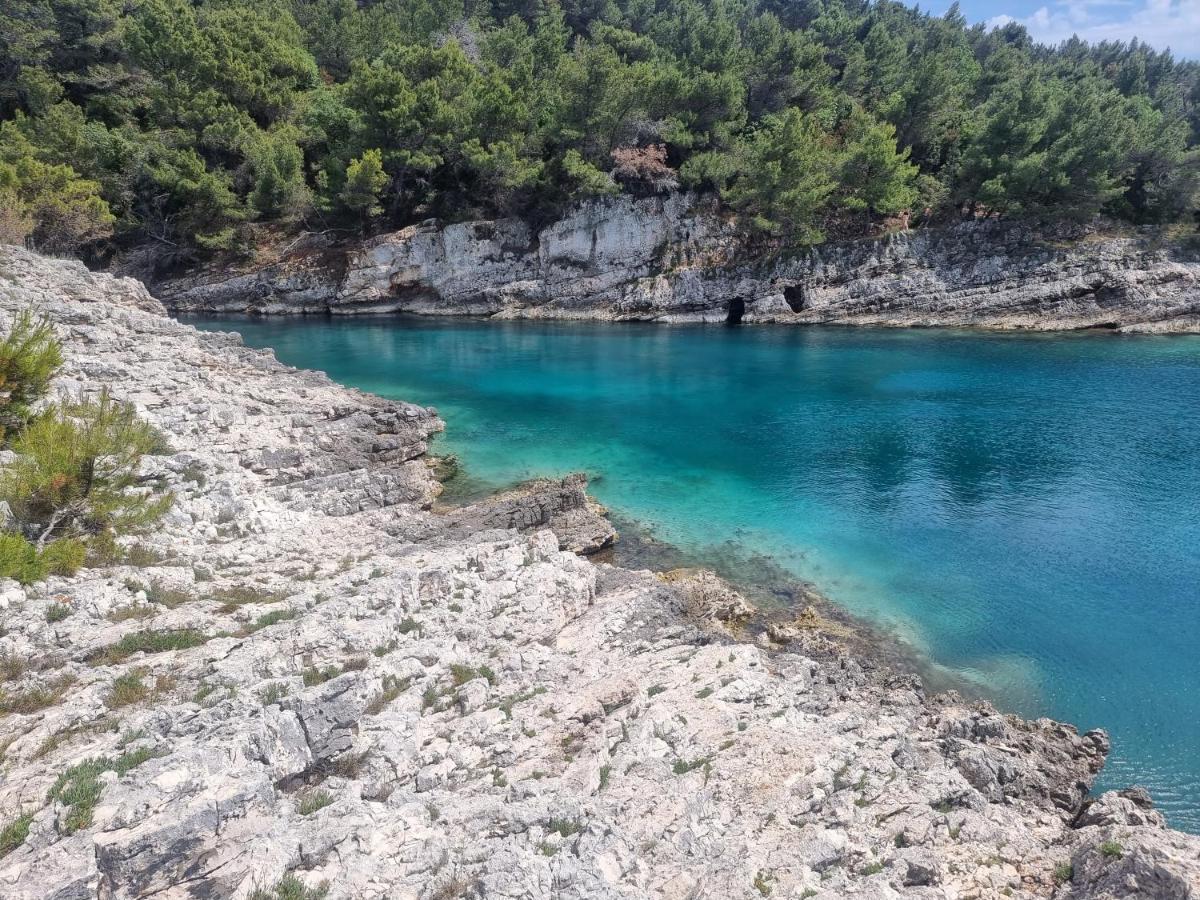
312 801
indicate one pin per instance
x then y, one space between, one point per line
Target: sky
1163 24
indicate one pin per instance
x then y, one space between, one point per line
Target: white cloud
1160 23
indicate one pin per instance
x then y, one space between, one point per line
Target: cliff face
673 259
405 704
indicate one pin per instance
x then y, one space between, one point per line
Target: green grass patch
243 595
56 612
393 687
266 620
316 675
151 642
684 766
14 833
312 801
289 887
35 698
79 788
127 690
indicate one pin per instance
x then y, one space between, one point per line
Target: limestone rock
673 258
407 702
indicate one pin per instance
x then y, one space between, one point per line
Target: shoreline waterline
976 494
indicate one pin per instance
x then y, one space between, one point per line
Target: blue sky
1160 23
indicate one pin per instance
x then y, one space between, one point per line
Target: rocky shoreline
343 686
674 258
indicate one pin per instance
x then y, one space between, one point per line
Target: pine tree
365 182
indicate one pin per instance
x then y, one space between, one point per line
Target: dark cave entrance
793 294
737 309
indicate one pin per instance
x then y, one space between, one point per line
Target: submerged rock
399 701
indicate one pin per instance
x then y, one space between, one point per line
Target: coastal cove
1020 508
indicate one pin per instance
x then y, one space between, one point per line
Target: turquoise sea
1023 509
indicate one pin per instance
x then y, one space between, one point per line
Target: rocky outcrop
674 259
343 685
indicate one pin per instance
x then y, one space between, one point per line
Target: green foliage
783 176
127 689
47 206
365 181
21 560
76 473
79 788
1112 850
13 834
185 123
313 801
289 887
152 642
35 698
57 612
30 356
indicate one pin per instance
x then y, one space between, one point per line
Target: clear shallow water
1023 509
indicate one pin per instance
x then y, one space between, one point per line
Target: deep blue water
1024 509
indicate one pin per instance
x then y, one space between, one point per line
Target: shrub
36 698
63 557
314 676
313 801
273 693
126 690
393 687
268 619
1112 850
57 612
19 559
1063 873
289 887
77 472
14 833
30 356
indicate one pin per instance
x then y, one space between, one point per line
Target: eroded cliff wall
674 259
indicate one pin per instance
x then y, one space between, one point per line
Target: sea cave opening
737 309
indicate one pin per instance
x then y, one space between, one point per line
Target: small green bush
14 833
1112 850
289 887
64 557
313 801
35 698
314 676
19 559
1063 873
76 471
273 693
30 356
126 690
56 612
274 617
